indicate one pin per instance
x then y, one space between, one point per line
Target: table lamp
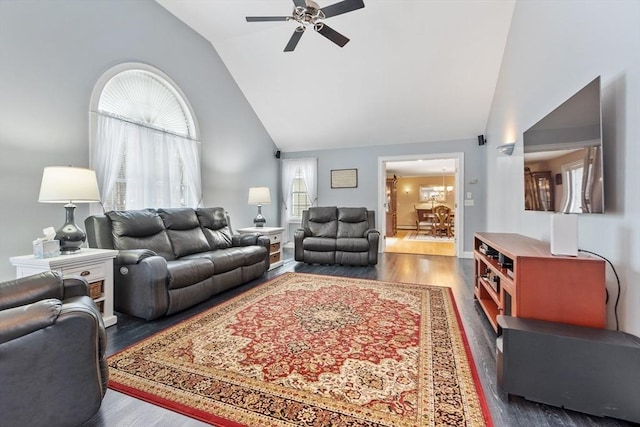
259 196
66 184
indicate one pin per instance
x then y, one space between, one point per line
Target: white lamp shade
259 196
66 184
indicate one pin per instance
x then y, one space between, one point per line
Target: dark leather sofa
333 235
53 370
172 259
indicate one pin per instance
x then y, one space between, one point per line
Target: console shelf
518 276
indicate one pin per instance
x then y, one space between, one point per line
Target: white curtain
309 171
189 152
162 169
107 155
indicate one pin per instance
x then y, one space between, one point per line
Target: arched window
145 148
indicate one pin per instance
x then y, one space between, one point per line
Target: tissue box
46 249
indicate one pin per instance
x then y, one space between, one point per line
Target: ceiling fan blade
300 3
331 34
267 18
342 7
295 38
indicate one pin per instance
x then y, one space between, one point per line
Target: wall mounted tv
563 157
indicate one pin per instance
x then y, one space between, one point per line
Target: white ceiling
413 71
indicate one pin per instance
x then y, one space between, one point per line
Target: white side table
95 265
275 236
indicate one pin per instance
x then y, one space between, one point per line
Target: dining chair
441 221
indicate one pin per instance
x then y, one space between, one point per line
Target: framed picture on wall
344 178
430 194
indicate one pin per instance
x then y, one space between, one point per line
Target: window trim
125 66
96 208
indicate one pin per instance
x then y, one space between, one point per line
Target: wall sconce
506 149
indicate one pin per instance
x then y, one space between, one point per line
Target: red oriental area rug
312 350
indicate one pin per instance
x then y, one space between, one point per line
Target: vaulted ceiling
413 70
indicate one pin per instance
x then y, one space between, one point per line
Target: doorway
422 181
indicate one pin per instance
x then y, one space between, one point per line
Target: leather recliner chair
53 369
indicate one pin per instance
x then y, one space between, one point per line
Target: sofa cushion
184 273
215 227
319 244
228 259
183 229
352 222
323 221
352 244
140 229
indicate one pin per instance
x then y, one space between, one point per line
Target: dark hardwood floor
121 410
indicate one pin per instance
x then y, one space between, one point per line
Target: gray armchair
332 235
53 369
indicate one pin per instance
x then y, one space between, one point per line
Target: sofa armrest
298 237
133 256
371 232
141 284
29 289
20 321
266 242
373 236
55 367
250 239
253 239
75 286
301 233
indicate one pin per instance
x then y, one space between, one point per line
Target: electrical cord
615 307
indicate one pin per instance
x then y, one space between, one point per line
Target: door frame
458 185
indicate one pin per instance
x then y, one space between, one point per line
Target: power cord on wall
615 307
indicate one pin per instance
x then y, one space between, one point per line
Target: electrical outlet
469 195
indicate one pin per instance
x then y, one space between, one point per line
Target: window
299 190
299 197
144 149
578 187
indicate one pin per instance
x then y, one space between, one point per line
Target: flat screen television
563 157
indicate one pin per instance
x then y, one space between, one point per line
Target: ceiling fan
308 13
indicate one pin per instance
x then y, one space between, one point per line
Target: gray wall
366 160
553 50
51 55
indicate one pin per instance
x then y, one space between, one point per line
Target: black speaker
278 154
481 140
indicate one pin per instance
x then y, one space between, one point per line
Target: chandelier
440 192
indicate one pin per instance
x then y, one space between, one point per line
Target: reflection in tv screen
563 157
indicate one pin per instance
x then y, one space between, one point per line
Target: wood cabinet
95 265
518 276
391 206
275 236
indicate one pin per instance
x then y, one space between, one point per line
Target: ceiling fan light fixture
308 13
